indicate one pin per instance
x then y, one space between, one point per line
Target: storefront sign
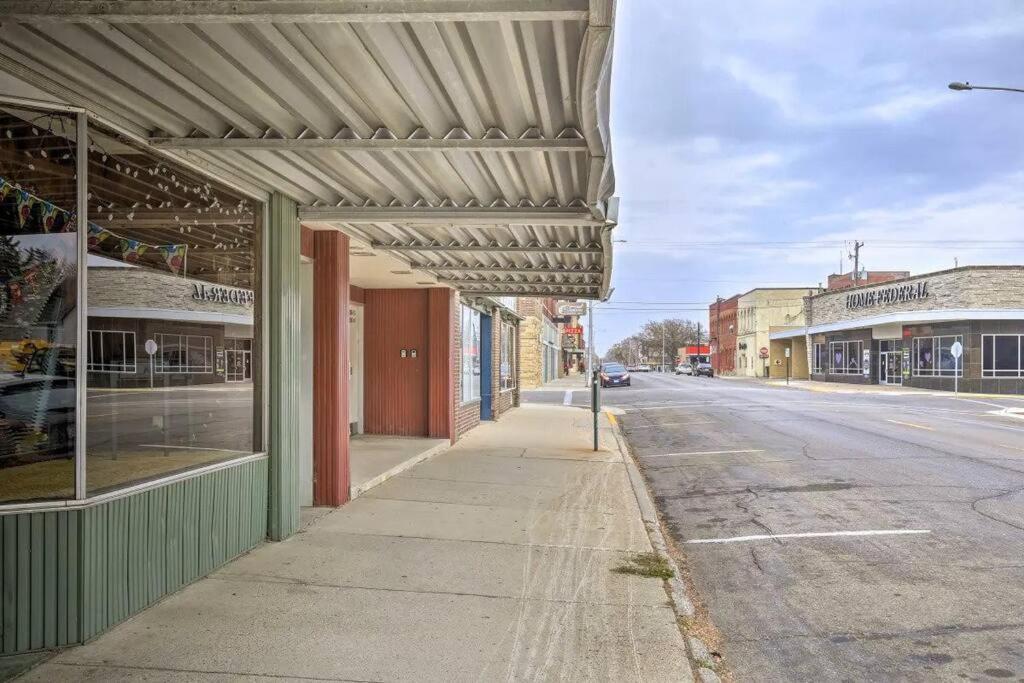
572 308
570 329
222 295
887 295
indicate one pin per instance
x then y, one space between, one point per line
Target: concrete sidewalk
491 561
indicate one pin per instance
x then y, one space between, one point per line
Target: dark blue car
614 375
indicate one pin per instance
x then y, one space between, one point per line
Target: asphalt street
216 417
914 566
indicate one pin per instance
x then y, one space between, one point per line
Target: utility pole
663 346
856 260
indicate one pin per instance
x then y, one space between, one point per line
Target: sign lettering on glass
222 295
885 296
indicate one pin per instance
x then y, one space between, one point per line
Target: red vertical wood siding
331 480
441 364
306 246
357 294
395 394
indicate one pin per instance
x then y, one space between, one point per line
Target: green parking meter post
595 402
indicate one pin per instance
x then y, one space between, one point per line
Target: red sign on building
569 329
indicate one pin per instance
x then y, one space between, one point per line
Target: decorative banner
174 255
25 202
97 235
48 214
132 249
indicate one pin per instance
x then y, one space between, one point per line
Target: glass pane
172 276
38 289
925 355
1006 356
947 364
838 357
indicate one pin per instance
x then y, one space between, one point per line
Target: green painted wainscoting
67 576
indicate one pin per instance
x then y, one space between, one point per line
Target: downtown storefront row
215 280
905 332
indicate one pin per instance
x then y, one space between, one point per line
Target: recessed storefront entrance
890 362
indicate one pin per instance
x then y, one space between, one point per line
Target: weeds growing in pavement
651 565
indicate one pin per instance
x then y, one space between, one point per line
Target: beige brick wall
530 353
139 288
961 288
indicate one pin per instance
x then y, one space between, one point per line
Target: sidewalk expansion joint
558 546
279 580
572 508
486 483
137 667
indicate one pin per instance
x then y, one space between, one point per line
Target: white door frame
357 366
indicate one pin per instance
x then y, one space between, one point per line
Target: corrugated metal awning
469 137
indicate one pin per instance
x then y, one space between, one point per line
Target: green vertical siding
284 316
66 576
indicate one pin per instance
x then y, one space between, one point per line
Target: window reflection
172 318
38 257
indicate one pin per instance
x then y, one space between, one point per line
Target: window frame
936 344
467 315
819 353
995 373
847 356
161 369
91 366
507 371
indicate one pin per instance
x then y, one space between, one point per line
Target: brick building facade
722 332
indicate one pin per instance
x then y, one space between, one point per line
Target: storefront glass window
173 290
820 359
1001 355
507 374
933 356
846 357
38 290
470 354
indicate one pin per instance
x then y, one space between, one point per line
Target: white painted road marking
911 424
567 401
669 455
813 534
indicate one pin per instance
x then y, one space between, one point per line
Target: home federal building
904 332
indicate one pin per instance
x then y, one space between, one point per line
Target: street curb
682 605
681 602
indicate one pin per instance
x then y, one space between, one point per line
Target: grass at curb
651 565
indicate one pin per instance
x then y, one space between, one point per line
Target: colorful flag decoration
132 249
97 235
174 256
25 202
48 215
5 187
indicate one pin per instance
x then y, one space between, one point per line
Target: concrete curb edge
648 514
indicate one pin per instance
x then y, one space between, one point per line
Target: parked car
704 369
614 375
644 368
684 369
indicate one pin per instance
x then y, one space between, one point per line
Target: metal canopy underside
468 137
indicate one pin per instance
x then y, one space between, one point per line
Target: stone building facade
539 342
906 331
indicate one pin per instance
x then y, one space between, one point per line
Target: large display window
172 267
470 354
38 304
157 373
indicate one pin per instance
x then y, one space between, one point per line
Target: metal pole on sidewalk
595 397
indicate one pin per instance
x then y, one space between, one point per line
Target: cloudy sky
755 123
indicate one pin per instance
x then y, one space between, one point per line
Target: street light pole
956 85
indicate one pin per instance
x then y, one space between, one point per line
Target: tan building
757 313
539 342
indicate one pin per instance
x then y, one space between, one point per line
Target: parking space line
911 424
812 534
567 399
670 455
